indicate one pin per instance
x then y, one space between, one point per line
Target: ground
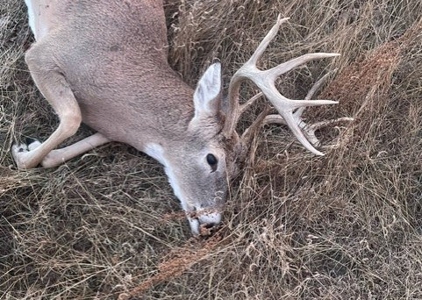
347 225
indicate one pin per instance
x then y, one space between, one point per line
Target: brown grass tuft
176 263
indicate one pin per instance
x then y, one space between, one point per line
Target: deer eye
212 161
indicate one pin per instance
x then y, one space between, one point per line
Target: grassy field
347 225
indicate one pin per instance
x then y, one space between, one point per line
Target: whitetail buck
104 63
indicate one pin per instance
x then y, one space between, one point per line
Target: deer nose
209 219
207 223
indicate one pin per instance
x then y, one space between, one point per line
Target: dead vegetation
344 226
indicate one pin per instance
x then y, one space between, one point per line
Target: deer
104 63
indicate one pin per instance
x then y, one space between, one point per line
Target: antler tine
266 41
249 133
265 80
312 91
309 129
234 112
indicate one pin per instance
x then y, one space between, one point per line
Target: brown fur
117 69
104 63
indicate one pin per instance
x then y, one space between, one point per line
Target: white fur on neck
157 152
31 17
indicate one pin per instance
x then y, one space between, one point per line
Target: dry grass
344 226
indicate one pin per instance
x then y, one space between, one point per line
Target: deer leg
53 85
59 156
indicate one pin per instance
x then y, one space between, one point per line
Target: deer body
119 75
104 63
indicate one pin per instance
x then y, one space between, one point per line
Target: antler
290 111
309 130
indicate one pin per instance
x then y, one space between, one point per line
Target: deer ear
207 96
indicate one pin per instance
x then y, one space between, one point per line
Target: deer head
212 150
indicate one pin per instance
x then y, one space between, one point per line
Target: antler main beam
265 80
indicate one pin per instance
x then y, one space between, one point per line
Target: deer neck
165 113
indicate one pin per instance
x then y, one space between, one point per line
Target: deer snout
208 222
209 219
203 222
